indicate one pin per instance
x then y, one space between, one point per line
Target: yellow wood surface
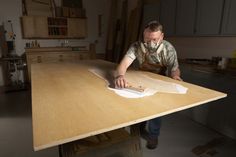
56 54
70 103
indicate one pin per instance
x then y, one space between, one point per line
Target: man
155 55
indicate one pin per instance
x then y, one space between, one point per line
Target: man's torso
164 58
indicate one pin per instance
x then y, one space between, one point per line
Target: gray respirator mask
152 46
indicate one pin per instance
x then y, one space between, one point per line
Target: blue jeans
154 126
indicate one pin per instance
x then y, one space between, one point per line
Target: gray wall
203 47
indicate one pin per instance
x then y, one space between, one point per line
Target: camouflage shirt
162 61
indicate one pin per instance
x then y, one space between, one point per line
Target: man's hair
154 26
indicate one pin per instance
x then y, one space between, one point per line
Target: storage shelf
42 27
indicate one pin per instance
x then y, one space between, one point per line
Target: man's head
153 35
153 31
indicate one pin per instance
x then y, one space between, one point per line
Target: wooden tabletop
70 103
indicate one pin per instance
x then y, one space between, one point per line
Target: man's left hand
176 77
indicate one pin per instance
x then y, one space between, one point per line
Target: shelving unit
57 26
40 27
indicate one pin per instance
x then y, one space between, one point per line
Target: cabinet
229 22
150 12
185 17
167 16
77 27
198 17
34 27
218 115
209 13
40 27
57 27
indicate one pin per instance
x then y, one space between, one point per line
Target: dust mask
151 46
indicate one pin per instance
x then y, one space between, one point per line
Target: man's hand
120 82
176 77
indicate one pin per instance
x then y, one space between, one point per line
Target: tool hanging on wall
13 65
10 38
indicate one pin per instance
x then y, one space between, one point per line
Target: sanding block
135 89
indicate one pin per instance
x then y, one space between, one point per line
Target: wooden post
135 133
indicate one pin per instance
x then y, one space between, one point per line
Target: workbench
57 54
71 103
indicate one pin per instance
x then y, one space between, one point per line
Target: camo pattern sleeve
132 51
171 58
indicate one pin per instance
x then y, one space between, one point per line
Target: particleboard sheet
70 103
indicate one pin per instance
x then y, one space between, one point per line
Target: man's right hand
120 82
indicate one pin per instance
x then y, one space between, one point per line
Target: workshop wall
12 10
203 47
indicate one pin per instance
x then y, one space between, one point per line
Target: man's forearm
122 67
120 81
121 70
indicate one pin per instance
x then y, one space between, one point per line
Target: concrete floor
180 136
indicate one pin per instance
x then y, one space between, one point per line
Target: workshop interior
58 61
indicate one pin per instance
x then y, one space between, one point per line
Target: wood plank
70 103
47 49
120 40
111 33
134 26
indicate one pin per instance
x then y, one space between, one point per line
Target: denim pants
154 126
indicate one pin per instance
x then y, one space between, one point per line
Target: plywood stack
119 45
121 35
117 143
111 33
73 8
134 25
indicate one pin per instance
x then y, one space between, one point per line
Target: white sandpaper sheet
151 85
